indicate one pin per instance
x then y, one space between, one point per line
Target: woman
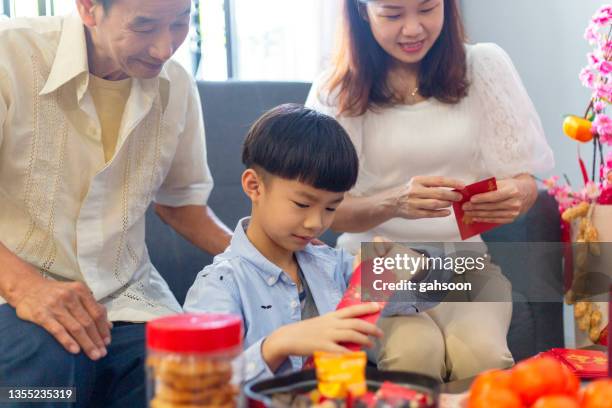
428 114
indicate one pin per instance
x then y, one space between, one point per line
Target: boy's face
289 212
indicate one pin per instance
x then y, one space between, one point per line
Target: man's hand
69 312
323 333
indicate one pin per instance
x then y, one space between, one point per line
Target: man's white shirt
62 208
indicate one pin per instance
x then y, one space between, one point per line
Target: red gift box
584 363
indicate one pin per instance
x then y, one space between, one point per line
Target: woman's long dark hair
359 79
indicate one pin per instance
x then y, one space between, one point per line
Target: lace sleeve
511 136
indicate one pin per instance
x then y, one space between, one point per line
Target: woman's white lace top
494 131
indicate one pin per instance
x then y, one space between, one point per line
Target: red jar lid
195 333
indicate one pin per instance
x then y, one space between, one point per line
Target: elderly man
96 122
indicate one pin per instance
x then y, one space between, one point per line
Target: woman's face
406 29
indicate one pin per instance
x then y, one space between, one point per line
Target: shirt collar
71 61
242 246
71 56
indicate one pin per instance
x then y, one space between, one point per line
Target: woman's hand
323 333
512 198
426 197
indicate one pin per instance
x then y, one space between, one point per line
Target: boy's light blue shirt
243 282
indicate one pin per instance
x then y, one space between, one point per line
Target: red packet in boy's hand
467 226
354 296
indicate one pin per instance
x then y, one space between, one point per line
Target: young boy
299 165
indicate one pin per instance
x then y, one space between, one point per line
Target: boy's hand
323 333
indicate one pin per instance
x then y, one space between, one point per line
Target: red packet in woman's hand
467 226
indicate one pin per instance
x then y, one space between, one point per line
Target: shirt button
271 281
250 367
294 304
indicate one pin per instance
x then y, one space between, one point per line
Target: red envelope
584 363
468 227
353 296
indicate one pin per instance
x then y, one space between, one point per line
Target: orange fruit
536 377
490 379
597 394
572 383
578 128
556 401
495 397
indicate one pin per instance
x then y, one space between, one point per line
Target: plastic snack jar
194 360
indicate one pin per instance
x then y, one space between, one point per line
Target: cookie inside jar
194 361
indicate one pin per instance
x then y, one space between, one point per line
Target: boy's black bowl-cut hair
297 143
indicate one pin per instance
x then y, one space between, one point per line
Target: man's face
139 36
292 213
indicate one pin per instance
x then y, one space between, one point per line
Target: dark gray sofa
231 107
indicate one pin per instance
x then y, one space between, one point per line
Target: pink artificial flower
603 16
605 67
603 125
604 91
606 139
591 190
599 106
564 193
587 78
609 160
551 182
593 58
602 20
591 34
568 202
